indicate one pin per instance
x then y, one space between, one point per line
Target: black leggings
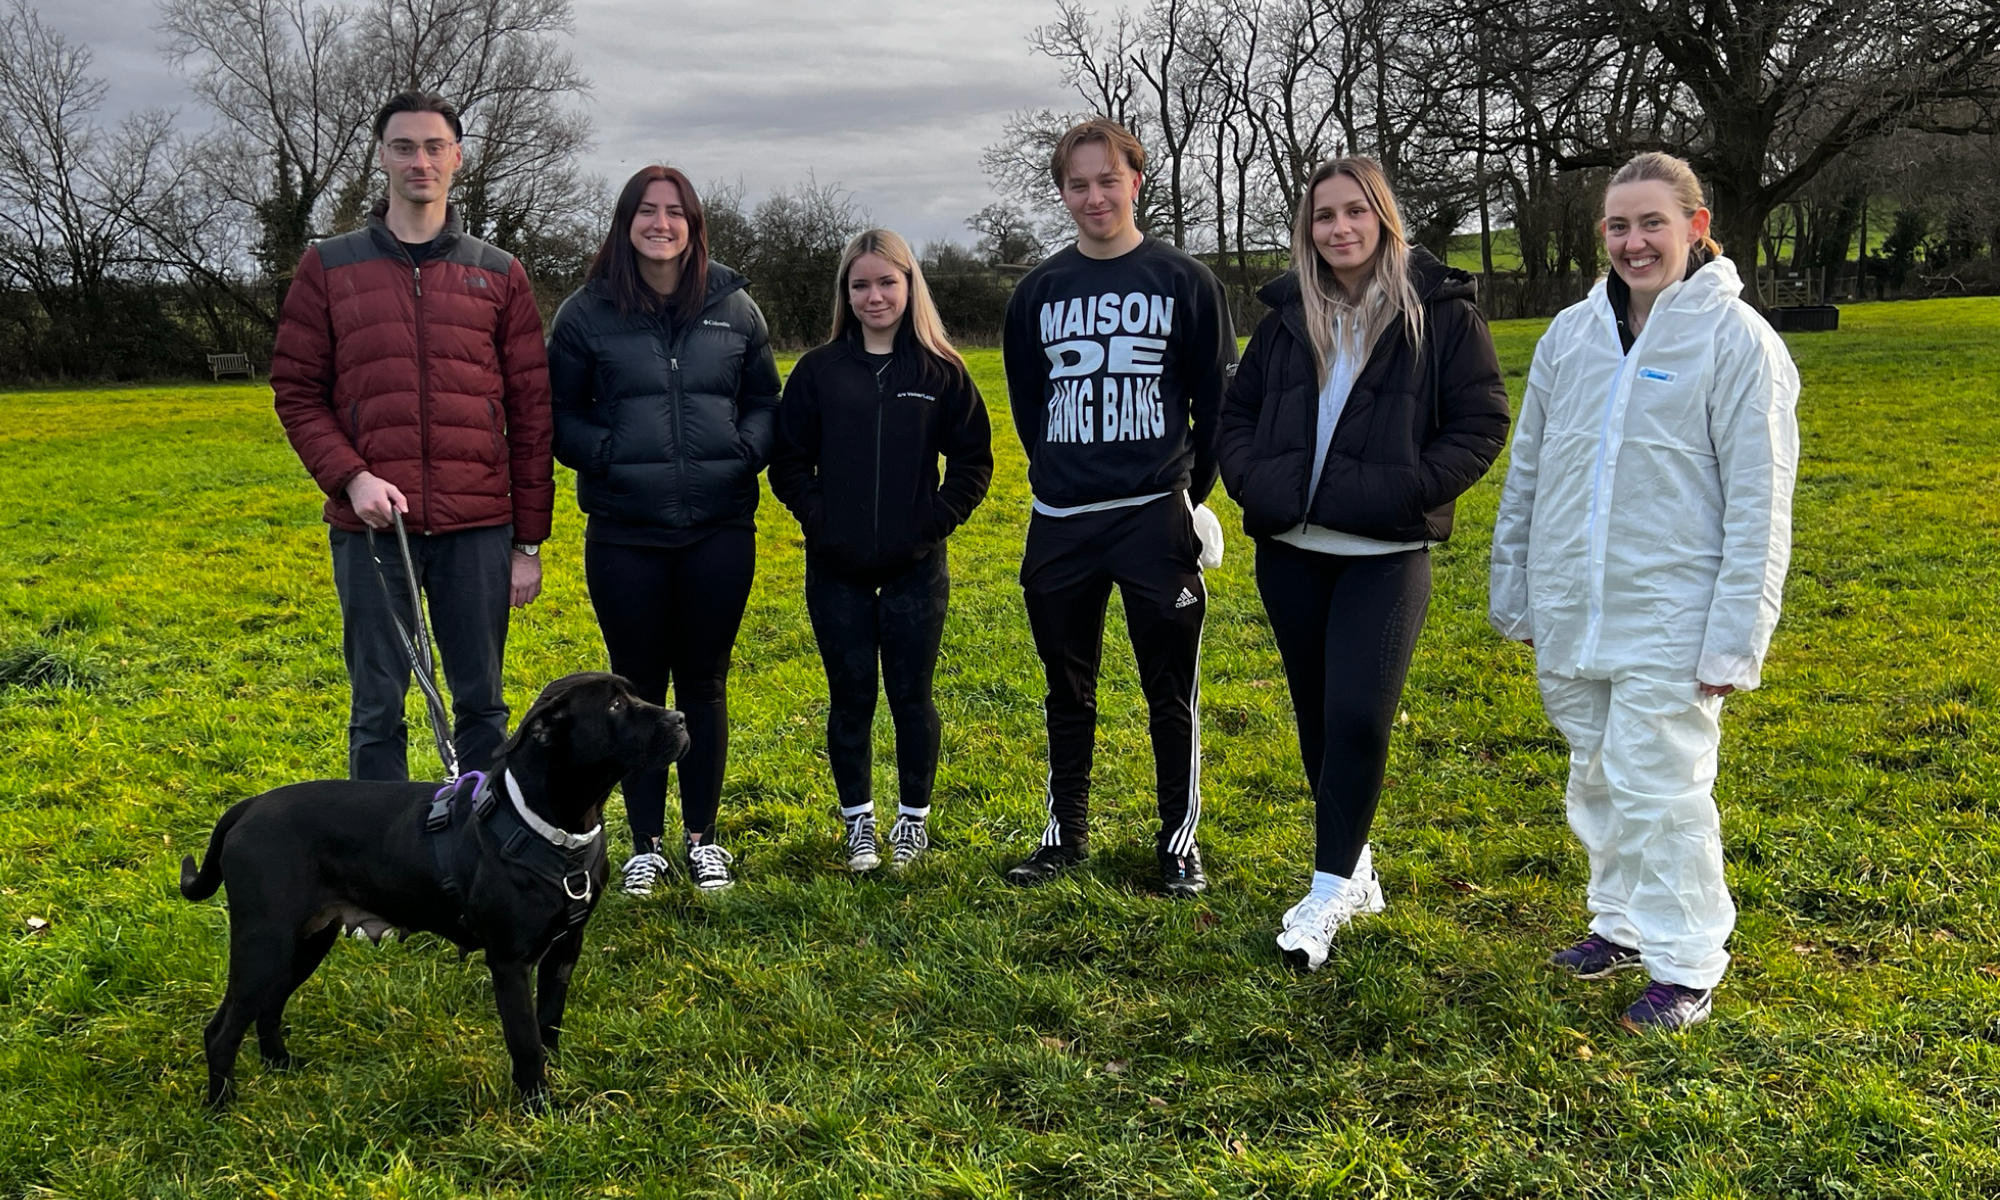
1346 628
902 622
672 616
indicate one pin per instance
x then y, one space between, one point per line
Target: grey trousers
466 576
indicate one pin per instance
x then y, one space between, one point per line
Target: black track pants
900 625
1346 628
1150 552
671 616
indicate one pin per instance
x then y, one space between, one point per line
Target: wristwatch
531 549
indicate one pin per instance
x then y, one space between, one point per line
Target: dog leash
417 645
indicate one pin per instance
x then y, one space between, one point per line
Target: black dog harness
554 857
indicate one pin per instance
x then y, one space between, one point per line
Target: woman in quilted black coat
666 400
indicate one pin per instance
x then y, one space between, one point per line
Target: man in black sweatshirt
1117 350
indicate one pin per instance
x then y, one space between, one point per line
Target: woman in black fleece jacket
1368 401
863 421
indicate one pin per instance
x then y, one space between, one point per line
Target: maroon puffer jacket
433 378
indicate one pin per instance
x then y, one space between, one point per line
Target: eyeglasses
434 149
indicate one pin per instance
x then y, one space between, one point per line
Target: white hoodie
1646 522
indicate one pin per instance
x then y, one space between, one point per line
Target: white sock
859 810
1326 887
914 814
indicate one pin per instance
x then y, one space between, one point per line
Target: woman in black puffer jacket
864 420
1367 401
666 399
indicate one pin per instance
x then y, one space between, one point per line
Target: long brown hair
1389 293
617 262
1656 167
920 318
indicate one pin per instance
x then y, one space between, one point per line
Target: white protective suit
1643 536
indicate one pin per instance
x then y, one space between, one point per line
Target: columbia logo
718 324
1186 599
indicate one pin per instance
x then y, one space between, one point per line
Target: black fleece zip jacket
1419 428
857 456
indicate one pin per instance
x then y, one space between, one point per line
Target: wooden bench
231 364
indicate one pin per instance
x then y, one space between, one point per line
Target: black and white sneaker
642 871
861 851
1045 864
708 865
1181 874
908 839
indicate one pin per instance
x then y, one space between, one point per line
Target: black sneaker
1181 875
1045 864
708 865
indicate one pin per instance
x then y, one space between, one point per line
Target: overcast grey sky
892 99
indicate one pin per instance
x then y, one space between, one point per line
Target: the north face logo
478 281
1186 598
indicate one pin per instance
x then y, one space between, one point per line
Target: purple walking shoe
1595 957
1668 1006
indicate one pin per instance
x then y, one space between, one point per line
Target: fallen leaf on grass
1054 1043
1991 970
1206 920
1156 1102
37 924
1460 885
1117 1066
1237 1147
1584 1052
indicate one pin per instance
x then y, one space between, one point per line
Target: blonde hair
921 315
1389 293
1656 167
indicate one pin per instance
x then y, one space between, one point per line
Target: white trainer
1314 921
1364 875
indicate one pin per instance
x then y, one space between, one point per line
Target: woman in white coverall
1641 548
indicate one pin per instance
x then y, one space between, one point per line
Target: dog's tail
200 885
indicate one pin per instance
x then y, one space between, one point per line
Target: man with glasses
410 377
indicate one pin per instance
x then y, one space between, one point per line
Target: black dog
513 867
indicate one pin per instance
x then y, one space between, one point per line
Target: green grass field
168 624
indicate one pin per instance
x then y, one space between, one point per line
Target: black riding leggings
671 616
901 623
1346 628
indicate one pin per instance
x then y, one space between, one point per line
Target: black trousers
901 624
671 616
1346 628
465 576
1071 563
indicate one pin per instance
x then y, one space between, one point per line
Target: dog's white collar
559 837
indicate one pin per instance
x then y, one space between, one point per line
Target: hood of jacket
1433 281
722 281
1714 284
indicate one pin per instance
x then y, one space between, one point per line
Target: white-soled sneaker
1364 874
642 871
861 849
708 865
1307 941
909 837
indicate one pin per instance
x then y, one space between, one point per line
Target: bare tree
293 102
1778 89
68 186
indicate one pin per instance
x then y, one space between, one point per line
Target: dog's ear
542 726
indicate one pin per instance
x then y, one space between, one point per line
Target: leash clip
571 892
